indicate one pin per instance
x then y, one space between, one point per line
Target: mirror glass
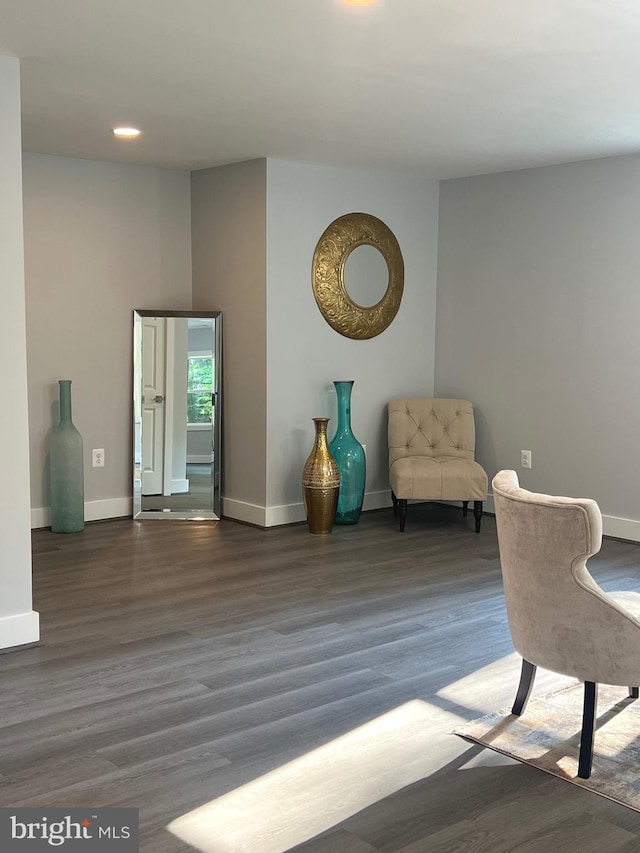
366 275
177 408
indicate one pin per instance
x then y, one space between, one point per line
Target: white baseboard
19 630
376 500
261 516
246 512
621 528
109 508
274 516
93 511
284 514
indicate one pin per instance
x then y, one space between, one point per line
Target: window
199 389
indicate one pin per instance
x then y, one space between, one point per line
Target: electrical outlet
525 459
98 458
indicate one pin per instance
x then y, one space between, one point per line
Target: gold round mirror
358 292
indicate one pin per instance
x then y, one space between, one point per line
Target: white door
153 403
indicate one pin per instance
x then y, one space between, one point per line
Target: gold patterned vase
320 482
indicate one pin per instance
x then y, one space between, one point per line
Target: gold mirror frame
334 247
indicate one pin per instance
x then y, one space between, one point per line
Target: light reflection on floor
313 793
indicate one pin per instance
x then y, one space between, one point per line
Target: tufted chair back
431 427
431 454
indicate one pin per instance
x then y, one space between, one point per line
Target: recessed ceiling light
358 2
126 132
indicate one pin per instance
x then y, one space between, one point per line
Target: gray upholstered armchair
431 449
559 617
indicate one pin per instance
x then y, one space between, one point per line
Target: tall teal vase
66 469
350 456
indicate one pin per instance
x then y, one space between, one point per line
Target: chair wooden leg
634 692
588 729
465 508
527 675
477 514
402 506
394 500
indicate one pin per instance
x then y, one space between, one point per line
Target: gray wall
103 239
18 622
536 314
229 261
537 324
255 226
305 354
100 240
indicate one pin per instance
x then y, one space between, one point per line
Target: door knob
159 398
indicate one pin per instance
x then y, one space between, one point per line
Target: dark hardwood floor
181 662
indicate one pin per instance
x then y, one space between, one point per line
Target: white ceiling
442 88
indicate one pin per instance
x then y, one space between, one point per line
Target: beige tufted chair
559 617
431 447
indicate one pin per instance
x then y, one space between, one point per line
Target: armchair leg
394 500
477 514
634 692
527 675
402 506
465 508
588 729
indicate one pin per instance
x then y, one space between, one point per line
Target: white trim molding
377 500
93 511
260 516
621 528
276 516
19 630
246 512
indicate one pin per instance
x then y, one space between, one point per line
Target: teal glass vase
66 470
350 456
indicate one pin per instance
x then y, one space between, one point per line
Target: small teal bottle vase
351 459
66 470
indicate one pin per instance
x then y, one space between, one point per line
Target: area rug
547 736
